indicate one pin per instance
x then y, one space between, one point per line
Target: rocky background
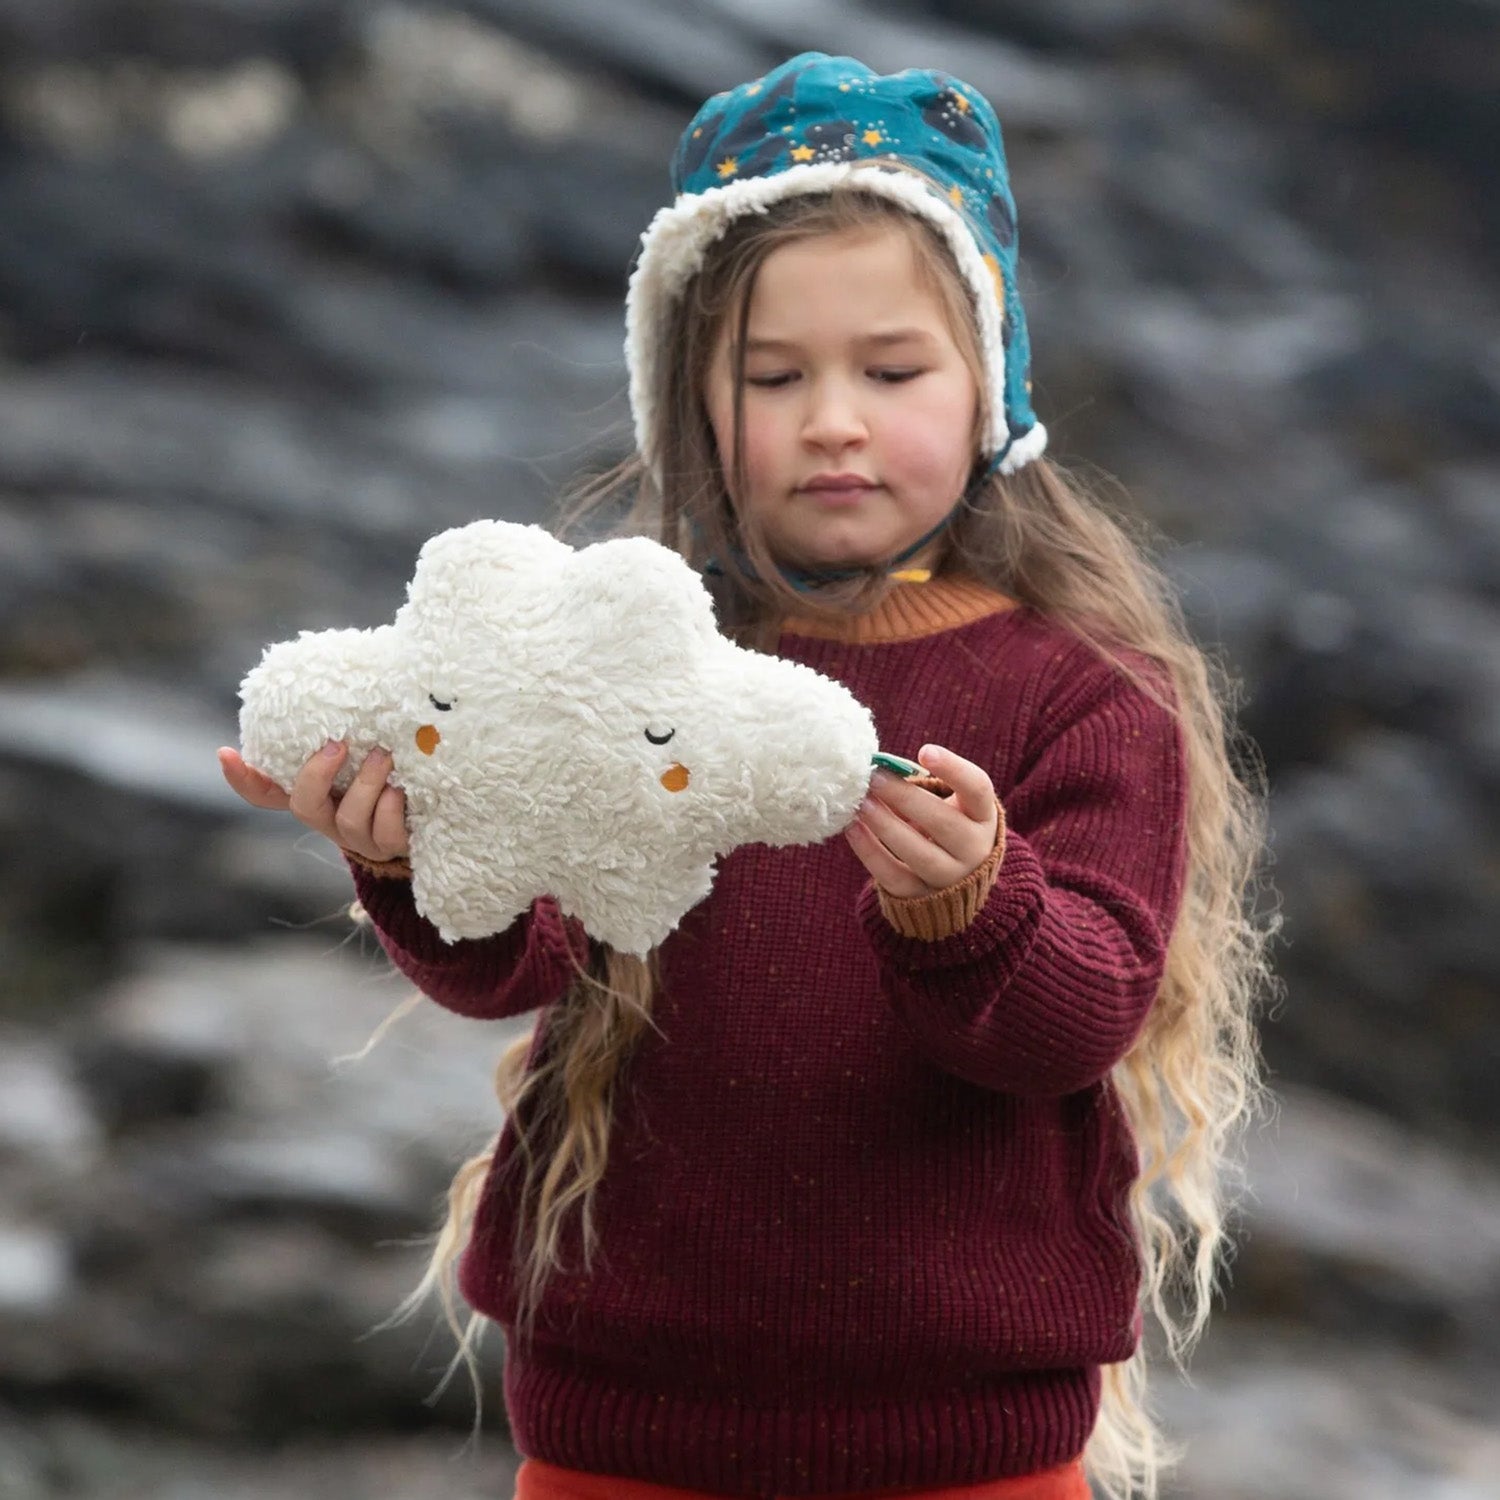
288 285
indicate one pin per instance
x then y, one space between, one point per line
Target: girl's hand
914 842
368 819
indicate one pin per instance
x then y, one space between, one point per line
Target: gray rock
196 33
1227 377
1272 1414
54 1454
45 1118
1471 499
1029 92
1356 1225
666 46
96 429
34 1272
136 737
1358 1322
1088 26
1433 74
1389 946
1234 598
467 235
223 1264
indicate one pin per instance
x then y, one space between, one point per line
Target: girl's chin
850 557
860 559
827 548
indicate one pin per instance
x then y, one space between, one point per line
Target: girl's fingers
938 818
934 815
388 827
258 790
973 791
933 866
356 808
885 869
312 801
369 818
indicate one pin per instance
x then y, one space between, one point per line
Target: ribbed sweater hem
994 1429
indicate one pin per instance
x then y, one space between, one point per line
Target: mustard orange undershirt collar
911 609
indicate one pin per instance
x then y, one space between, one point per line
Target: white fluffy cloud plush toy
566 722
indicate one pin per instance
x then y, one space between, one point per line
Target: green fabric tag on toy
897 763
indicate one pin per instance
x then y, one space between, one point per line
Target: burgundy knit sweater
864 1220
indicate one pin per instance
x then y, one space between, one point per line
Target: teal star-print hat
817 121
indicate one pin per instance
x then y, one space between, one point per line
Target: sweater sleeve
1046 989
528 965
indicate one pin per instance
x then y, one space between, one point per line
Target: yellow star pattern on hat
872 137
729 166
803 153
961 102
956 196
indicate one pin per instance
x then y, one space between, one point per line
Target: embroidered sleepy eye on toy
566 722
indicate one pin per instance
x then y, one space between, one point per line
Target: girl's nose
833 416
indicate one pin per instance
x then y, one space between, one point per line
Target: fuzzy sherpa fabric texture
803 128
566 722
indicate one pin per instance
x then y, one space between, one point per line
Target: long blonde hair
1192 1080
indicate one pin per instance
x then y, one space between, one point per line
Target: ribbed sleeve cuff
388 901
388 869
527 965
943 913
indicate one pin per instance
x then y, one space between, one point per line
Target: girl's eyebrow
868 340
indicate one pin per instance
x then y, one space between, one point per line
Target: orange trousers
536 1480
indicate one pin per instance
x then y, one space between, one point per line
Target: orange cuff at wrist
398 868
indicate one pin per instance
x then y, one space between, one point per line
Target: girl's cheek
762 447
937 439
750 445
930 447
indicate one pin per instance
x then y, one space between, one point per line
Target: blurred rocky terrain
288 285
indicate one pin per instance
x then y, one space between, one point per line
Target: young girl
865 1182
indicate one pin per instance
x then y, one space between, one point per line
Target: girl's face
859 407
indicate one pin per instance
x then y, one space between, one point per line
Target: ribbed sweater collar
908 612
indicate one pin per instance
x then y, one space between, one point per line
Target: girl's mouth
841 497
825 484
